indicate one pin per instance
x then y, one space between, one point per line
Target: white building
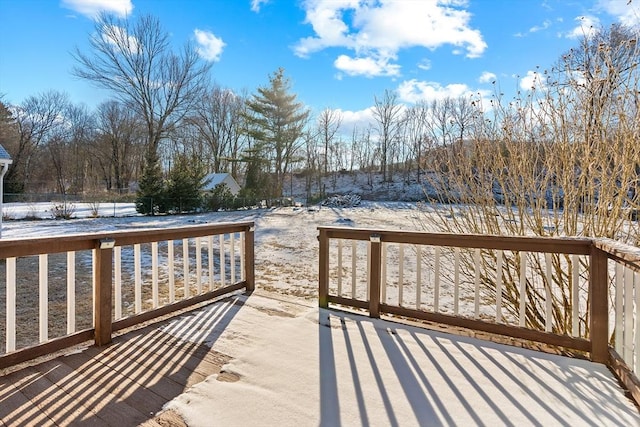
214 179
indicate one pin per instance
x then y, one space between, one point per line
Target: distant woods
568 145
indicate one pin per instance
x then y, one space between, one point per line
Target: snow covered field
286 245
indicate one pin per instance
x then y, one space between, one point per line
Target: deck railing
56 292
576 293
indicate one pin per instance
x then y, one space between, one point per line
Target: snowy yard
286 245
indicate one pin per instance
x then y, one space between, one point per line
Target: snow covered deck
255 360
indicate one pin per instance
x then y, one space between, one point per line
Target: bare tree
312 165
463 116
416 133
598 71
134 60
561 161
118 146
217 121
67 148
387 113
329 122
36 120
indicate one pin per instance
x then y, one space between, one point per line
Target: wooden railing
622 266
564 292
64 290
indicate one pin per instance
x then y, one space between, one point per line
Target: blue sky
338 53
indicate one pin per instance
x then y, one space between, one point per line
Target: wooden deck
353 369
123 384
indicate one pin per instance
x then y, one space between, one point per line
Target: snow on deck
298 365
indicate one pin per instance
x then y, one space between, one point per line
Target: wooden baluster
10 339
323 269
436 280
171 272
154 274
476 282
339 267
598 305
198 266
419 277
43 306
185 268
137 279
117 253
223 270
499 257
523 290
211 264
71 292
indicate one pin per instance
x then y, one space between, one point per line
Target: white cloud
627 12
378 30
546 24
533 80
369 67
92 8
425 64
587 26
487 77
209 46
257 4
412 91
360 120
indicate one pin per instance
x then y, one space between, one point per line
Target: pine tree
184 186
150 199
276 121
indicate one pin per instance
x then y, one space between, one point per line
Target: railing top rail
26 246
618 251
568 245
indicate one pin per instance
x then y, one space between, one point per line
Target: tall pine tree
275 121
151 194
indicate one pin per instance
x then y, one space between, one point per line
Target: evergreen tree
275 120
257 182
151 194
184 184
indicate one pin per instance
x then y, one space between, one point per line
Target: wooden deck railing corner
569 281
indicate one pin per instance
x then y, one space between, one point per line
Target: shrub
63 210
563 161
219 198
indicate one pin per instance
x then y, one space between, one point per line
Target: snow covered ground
297 365
286 245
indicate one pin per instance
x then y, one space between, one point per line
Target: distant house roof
3 153
214 179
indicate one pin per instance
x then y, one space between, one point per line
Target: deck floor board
122 384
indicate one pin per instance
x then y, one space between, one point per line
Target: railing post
598 306
102 270
249 259
323 270
375 268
